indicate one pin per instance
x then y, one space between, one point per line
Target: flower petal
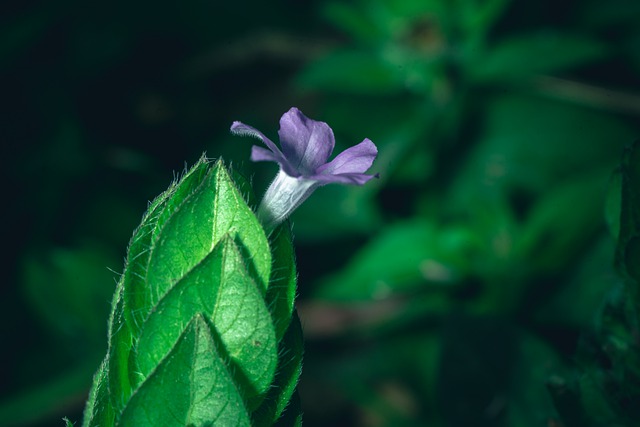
306 143
357 159
342 178
240 129
259 154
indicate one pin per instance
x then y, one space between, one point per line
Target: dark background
447 293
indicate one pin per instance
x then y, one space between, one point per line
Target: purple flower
306 147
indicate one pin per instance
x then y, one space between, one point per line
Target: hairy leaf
197 330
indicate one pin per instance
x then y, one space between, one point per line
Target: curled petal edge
343 178
240 129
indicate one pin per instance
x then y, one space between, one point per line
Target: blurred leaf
20 35
353 21
376 22
529 145
538 53
416 166
530 404
405 257
351 72
49 397
337 211
476 364
493 374
478 16
392 68
610 13
607 386
553 232
398 126
396 376
395 13
574 303
71 288
535 163
595 400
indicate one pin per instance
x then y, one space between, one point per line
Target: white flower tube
282 197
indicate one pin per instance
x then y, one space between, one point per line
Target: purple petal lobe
240 129
306 143
259 154
342 178
354 160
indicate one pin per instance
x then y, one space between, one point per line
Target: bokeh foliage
472 285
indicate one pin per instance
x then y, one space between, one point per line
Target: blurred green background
450 292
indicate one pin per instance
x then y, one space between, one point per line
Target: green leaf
607 384
282 287
221 289
191 386
530 404
553 233
536 53
377 22
214 209
99 411
576 301
197 332
352 71
405 257
56 288
351 20
478 17
595 401
289 369
514 156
